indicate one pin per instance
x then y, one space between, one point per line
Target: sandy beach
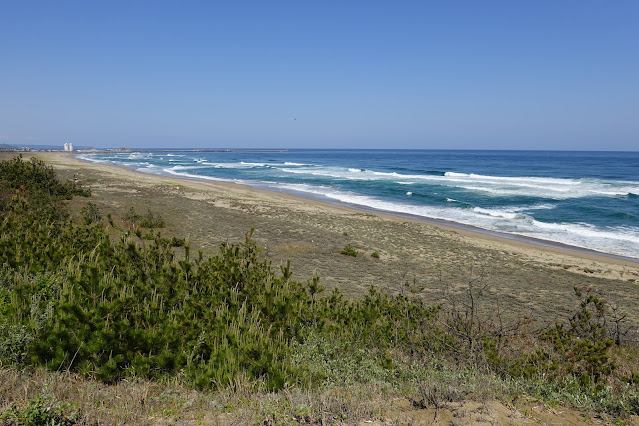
523 278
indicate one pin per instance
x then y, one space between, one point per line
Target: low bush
149 220
40 411
91 214
349 250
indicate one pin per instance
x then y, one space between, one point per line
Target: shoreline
473 230
468 230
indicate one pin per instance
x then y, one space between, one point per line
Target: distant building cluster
68 146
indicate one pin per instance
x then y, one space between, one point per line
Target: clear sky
560 74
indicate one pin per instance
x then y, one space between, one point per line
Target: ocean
589 200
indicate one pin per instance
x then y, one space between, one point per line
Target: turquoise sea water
584 199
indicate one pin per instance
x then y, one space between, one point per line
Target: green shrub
15 341
577 350
40 411
91 214
349 250
37 180
336 362
150 220
375 255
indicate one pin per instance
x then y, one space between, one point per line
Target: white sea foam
553 181
91 158
138 156
541 207
502 213
239 165
550 188
620 191
247 164
175 168
149 169
336 172
174 172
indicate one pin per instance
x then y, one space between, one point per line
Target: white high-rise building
68 146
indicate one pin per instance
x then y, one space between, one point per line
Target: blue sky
325 74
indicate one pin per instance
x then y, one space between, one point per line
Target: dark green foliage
91 214
14 342
151 314
36 181
578 349
349 250
375 255
583 347
632 379
74 299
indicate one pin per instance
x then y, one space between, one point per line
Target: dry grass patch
91 402
293 249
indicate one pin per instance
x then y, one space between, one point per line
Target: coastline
469 230
466 230
543 198
526 275
476 232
